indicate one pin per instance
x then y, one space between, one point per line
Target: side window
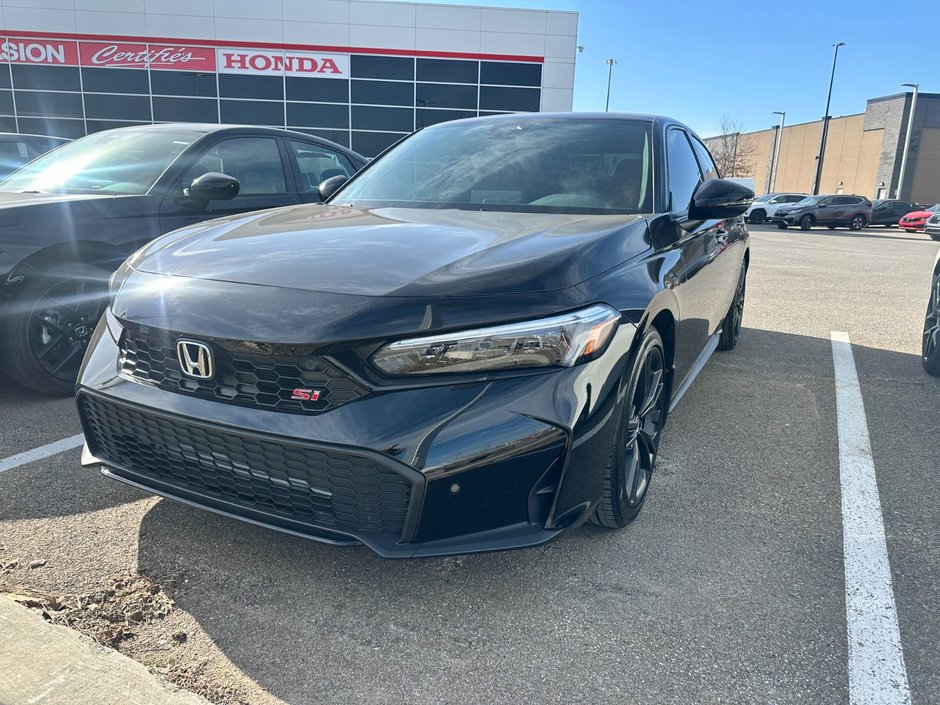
318 164
254 161
705 160
832 201
794 199
684 174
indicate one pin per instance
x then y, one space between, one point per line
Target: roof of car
547 117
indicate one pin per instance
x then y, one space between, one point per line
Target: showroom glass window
683 170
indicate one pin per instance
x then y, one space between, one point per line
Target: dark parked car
16 150
473 345
850 211
71 217
889 212
931 346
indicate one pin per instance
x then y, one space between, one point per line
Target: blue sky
697 61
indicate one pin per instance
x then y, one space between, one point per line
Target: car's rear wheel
53 317
806 222
858 222
633 457
931 345
782 226
758 217
731 327
934 236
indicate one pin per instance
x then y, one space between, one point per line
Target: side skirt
710 347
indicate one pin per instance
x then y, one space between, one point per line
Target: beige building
863 152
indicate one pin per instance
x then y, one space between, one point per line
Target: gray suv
832 211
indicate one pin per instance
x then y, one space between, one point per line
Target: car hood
919 214
398 252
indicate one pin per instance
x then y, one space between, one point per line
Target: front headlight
559 341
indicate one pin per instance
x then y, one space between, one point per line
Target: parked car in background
17 150
474 345
832 211
68 219
916 220
888 212
767 205
930 351
932 228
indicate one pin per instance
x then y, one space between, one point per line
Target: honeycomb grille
248 374
325 488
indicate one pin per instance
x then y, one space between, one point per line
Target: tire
642 417
930 349
782 226
731 326
807 222
907 230
858 222
758 217
934 236
56 311
831 227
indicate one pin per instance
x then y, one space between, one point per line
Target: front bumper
912 224
428 470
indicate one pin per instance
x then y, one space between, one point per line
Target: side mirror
330 186
212 186
720 199
822 205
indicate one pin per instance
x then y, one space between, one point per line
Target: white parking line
14 461
876 660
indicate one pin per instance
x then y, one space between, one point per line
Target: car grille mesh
333 489
248 374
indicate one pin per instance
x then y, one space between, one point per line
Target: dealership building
863 153
362 74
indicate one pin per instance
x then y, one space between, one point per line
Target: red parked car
916 220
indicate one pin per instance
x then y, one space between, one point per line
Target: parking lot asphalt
729 588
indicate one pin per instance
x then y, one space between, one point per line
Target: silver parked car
765 206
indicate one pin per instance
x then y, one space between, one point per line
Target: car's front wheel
934 236
782 226
858 222
807 222
633 457
52 318
758 217
931 345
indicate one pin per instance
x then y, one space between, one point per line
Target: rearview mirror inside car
720 198
330 186
213 186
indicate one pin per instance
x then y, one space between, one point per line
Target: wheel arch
662 314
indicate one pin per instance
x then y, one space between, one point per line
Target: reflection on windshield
547 165
809 201
119 162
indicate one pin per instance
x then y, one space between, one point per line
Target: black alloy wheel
782 226
931 344
858 222
758 217
934 236
731 327
633 457
806 222
54 316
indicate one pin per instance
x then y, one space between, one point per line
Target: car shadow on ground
312 623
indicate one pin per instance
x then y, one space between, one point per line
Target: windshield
523 165
808 201
120 162
765 197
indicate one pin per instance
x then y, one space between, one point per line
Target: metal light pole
907 137
610 69
825 127
776 156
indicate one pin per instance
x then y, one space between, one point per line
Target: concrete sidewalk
47 664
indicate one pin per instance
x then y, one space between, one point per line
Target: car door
698 245
260 164
829 212
313 164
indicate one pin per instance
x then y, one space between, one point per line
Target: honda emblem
195 359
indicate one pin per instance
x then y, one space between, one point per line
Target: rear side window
684 174
317 164
793 199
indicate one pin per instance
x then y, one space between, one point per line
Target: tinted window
684 174
447 71
338 136
233 85
383 92
50 126
387 119
509 99
4 78
13 155
426 118
183 83
100 80
793 199
317 164
252 112
7 124
118 107
185 110
382 67
49 103
369 144
6 101
511 74
318 115
325 90
99 125
47 78
254 161
705 160
436 95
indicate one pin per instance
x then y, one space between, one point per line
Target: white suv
765 206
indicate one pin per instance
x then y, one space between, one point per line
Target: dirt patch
119 616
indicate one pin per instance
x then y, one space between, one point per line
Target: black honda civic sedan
69 218
473 345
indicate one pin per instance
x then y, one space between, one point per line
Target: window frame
669 206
